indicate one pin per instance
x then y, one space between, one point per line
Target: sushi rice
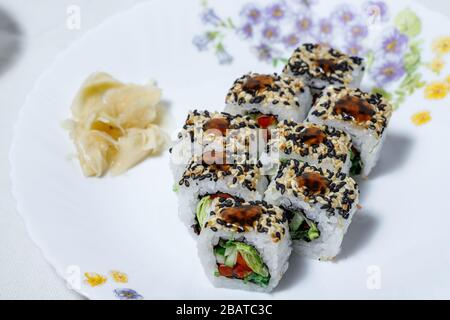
283 96
204 130
323 204
362 115
320 66
321 146
243 181
260 234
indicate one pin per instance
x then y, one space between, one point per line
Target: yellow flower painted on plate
119 277
437 65
448 81
442 45
420 118
94 279
436 90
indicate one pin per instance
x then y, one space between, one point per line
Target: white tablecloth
36 30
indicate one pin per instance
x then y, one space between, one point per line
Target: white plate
397 246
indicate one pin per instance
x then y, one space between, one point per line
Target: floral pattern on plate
421 118
127 294
118 276
391 43
439 89
94 279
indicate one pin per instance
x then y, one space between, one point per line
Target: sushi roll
319 205
245 245
213 178
320 66
321 146
363 116
212 130
262 95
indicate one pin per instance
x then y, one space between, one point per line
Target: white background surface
24 274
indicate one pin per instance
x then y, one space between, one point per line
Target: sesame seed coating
336 192
235 128
279 90
322 62
200 118
267 218
361 109
319 142
241 174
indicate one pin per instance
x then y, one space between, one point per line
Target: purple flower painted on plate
276 11
201 42
252 13
127 294
270 32
345 14
210 17
357 31
223 56
246 31
388 72
394 43
376 11
354 49
264 52
304 24
291 40
324 30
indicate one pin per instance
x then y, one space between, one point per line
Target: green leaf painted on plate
220 47
279 60
370 59
211 35
230 23
413 58
383 92
408 23
275 62
284 60
408 86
